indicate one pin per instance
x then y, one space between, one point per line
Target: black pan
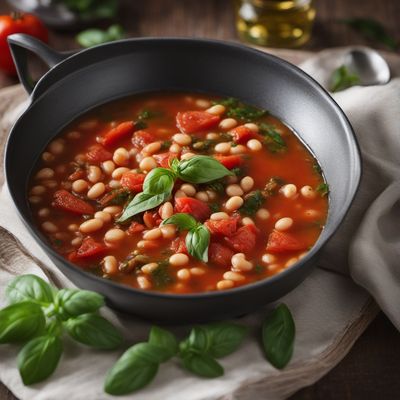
79 82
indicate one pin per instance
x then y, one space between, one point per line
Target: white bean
197 271
183 274
121 156
110 265
263 214
108 167
147 164
57 146
175 148
179 260
49 227
253 127
149 268
225 284
188 189
254 145
218 216
227 123
117 173
212 136
284 224
247 221
152 234
234 203
152 148
35 199
45 173
223 147
43 212
268 258
182 139
96 190
234 190
114 235
113 210
308 192
168 231
38 190
91 225
240 263
247 183
105 216
218 109
166 210
239 149
233 276
289 190
143 282
202 196
202 103
187 156
79 186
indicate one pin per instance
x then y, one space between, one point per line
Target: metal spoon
369 66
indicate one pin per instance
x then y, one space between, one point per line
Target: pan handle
20 44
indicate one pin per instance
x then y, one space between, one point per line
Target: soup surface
179 193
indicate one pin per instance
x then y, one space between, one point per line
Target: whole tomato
18 23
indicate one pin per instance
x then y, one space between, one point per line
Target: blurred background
369 371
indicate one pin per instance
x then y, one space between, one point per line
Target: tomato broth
179 193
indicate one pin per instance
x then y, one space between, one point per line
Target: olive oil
275 23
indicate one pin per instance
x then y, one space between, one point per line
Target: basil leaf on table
159 180
372 29
165 340
342 79
20 322
202 365
143 202
198 340
39 358
93 37
29 288
136 368
224 338
74 302
201 169
197 241
278 333
183 221
94 331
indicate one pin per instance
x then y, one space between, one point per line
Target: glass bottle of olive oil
275 23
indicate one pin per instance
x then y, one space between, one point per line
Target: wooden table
370 370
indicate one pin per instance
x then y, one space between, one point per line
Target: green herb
342 79
216 186
202 365
273 140
272 186
146 114
138 366
158 185
39 358
214 207
278 334
372 29
229 102
29 288
317 168
203 145
322 189
237 171
93 37
37 317
90 9
160 276
252 203
21 322
198 237
94 331
238 110
259 269
165 145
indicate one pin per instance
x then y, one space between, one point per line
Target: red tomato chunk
68 202
195 121
282 242
244 240
198 209
123 130
132 181
220 255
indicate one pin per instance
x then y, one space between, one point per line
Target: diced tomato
164 159
152 219
98 154
282 242
68 202
90 249
244 239
224 227
229 161
242 134
194 121
135 227
121 131
219 254
77 174
132 181
198 209
179 245
142 138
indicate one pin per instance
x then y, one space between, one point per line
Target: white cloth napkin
328 318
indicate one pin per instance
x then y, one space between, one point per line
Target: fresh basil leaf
278 333
197 241
93 37
174 165
90 9
252 203
201 169
20 322
184 222
202 365
372 29
94 331
165 340
159 180
143 202
273 139
39 358
29 288
136 368
342 79
198 340
224 338
74 302
322 189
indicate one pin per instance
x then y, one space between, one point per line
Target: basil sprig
278 335
158 184
198 237
39 314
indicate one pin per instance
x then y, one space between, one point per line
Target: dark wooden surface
370 370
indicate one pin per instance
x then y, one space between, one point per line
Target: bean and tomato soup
179 193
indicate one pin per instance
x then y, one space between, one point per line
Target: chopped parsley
238 110
238 171
253 201
165 145
317 168
217 186
273 185
214 207
273 140
146 114
322 189
160 276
